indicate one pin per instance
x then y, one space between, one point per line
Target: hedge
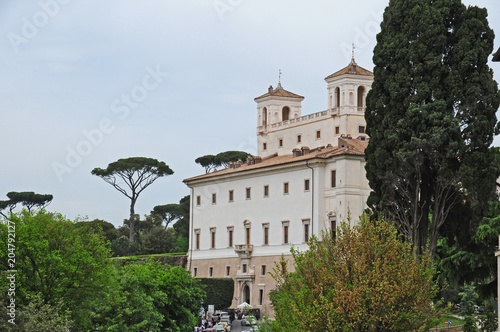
220 292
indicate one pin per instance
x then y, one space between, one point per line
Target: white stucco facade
245 217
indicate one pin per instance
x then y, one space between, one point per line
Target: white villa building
308 175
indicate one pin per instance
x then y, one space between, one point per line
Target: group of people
205 324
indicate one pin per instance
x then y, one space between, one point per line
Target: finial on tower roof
279 81
353 47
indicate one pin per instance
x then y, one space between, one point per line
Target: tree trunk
132 217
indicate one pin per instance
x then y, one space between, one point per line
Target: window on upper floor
285 188
214 198
318 134
299 138
265 228
285 225
230 231
212 238
264 146
244 268
285 113
197 238
361 129
305 224
361 94
263 269
306 185
198 200
280 142
228 270
334 178
266 190
211 271
337 130
195 271
231 195
248 193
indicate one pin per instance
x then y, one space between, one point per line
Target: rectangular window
263 270
195 272
306 185
299 138
266 191
334 179
230 236
333 225
285 188
361 129
261 296
228 270
212 238
264 146
266 234
244 268
248 192
214 198
198 200
231 195
280 142
337 130
211 271
318 134
306 223
285 233
197 238
247 231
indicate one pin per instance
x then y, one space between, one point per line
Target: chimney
270 90
305 150
329 146
296 153
231 165
238 163
258 160
250 160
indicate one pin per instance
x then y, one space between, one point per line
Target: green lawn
456 321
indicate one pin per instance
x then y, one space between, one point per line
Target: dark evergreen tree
431 118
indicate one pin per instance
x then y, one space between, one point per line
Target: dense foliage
211 162
64 278
56 261
431 118
365 279
150 297
220 292
28 199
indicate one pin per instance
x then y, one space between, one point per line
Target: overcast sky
85 83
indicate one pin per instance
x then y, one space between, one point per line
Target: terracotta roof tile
352 69
280 92
346 147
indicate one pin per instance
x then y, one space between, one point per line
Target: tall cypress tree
431 117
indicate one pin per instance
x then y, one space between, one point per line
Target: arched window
285 113
361 92
264 116
246 294
337 97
